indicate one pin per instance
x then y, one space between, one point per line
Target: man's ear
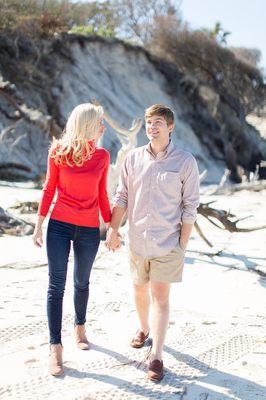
171 129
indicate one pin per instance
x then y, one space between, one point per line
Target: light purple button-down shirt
160 192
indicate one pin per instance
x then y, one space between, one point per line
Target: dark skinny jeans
86 242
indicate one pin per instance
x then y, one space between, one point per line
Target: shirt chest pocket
170 184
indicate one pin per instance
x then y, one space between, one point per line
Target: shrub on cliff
239 83
158 25
41 19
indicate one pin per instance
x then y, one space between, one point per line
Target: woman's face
101 129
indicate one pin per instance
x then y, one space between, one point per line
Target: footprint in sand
32 360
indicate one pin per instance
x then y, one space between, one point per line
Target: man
159 189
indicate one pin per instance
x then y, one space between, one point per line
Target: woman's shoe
55 366
81 338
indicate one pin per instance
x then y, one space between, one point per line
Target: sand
216 341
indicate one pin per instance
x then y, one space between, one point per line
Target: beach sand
216 341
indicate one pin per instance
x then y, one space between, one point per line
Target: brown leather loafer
155 372
139 339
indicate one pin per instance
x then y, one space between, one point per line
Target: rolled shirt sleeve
190 191
121 196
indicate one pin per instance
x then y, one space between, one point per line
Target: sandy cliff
38 92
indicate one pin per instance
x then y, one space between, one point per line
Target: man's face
157 129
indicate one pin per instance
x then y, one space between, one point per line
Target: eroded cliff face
125 80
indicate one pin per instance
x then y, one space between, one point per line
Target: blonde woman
77 170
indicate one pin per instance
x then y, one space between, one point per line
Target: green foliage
217 33
42 18
90 29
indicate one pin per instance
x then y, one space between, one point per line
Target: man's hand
185 235
113 241
183 244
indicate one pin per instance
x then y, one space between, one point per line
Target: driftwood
12 225
34 116
221 219
25 137
26 207
128 140
228 221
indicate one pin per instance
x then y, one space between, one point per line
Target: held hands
113 239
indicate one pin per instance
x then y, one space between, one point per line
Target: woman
77 169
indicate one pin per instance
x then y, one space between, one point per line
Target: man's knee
141 289
160 294
159 301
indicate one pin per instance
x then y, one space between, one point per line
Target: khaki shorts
168 268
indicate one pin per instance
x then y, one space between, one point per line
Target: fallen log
222 219
12 225
26 207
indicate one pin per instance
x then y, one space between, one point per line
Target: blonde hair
76 143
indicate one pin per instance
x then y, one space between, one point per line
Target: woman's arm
49 187
48 193
103 198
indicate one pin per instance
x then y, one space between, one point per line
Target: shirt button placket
148 241
151 195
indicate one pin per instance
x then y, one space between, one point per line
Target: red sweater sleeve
49 187
103 199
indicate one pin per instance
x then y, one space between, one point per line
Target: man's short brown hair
162 111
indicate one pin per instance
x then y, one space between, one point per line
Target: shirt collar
161 154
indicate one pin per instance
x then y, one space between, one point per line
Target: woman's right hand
37 237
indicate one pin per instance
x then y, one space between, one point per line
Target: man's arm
190 201
119 209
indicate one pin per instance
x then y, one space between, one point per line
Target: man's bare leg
142 302
160 317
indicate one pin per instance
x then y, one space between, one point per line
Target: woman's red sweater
82 191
